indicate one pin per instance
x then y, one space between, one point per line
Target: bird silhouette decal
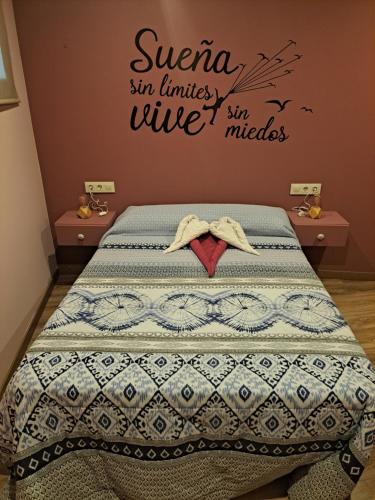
307 110
279 103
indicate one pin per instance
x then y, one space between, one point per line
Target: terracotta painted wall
77 58
26 251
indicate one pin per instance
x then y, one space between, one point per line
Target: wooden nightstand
331 230
73 231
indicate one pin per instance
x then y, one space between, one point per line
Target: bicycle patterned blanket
152 381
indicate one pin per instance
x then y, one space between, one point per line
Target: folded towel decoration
225 229
231 231
208 249
189 228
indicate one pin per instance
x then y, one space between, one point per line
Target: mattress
153 381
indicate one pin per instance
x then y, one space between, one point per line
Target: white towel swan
225 228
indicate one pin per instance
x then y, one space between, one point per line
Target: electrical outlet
304 189
99 186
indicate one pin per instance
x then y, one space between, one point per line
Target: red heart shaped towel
208 249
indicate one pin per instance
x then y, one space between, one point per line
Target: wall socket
307 188
99 187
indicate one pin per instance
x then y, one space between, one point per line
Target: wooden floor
356 300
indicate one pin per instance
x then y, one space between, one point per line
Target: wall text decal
160 117
185 60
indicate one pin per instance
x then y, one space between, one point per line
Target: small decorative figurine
315 209
84 211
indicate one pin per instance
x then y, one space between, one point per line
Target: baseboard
30 331
346 275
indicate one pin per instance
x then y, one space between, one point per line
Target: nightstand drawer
73 231
83 236
331 230
322 236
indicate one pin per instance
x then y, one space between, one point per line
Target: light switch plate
306 188
100 187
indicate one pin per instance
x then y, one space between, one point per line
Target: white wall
26 247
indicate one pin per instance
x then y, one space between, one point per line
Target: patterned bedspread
151 381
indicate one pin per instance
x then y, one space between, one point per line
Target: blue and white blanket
152 381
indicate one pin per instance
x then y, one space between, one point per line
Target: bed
153 381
